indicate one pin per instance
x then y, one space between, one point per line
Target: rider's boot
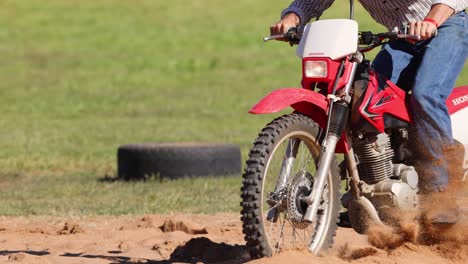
441 205
441 208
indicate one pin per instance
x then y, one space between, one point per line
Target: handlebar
366 38
374 40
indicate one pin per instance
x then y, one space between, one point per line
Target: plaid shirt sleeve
307 9
457 5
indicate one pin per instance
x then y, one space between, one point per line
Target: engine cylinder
374 155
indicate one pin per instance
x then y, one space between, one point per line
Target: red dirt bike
292 182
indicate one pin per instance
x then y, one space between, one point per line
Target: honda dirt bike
292 182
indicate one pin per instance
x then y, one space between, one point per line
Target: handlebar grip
389 35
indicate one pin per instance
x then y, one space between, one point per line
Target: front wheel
278 175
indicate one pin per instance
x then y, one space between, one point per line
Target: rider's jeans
430 69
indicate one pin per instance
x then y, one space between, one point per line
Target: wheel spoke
280 235
294 233
309 158
293 236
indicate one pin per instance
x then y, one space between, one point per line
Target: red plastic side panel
307 102
458 99
389 100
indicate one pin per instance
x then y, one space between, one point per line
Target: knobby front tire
265 237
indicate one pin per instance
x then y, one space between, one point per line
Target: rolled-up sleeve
457 5
306 10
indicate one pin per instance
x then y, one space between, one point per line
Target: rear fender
458 99
457 105
307 102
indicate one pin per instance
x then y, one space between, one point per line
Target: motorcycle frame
324 110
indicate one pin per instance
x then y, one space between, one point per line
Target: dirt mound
22 257
70 229
202 249
348 253
165 249
171 225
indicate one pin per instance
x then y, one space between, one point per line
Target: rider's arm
440 11
307 9
299 13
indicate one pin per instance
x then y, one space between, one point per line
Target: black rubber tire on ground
176 160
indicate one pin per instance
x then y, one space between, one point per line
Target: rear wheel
278 175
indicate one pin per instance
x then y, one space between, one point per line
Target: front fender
302 100
307 102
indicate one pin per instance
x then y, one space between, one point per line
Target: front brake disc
300 187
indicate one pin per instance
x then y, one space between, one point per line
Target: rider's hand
282 26
423 29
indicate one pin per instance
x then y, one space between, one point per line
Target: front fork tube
338 119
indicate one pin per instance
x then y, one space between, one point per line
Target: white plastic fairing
460 130
332 38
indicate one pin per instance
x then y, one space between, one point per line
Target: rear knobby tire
255 189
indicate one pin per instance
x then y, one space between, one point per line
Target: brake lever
408 36
265 39
415 37
291 36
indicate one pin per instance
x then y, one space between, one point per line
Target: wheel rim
283 234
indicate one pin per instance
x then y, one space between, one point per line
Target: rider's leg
442 61
397 62
440 64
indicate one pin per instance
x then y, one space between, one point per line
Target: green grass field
80 78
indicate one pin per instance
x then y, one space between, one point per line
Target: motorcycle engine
388 185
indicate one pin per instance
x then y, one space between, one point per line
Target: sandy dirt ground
196 238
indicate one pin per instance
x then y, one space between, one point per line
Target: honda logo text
460 100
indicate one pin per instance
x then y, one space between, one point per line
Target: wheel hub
300 187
